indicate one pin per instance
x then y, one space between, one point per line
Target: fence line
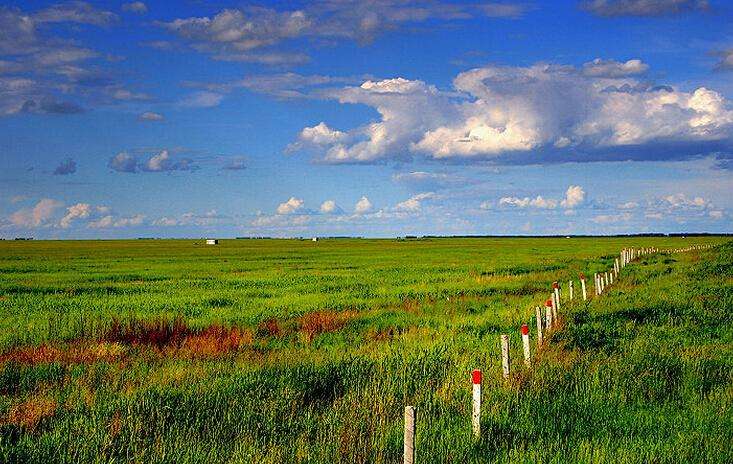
602 281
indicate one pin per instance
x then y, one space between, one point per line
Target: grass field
269 351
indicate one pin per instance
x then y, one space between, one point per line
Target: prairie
269 351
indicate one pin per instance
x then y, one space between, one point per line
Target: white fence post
409 449
476 410
582 287
570 290
538 316
505 356
548 314
556 290
525 343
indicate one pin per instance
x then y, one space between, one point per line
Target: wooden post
556 290
554 307
570 290
596 285
409 449
610 278
538 316
525 344
582 287
505 356
476 410
548 314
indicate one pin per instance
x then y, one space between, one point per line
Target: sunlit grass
289 351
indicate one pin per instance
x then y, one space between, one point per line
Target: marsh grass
286 351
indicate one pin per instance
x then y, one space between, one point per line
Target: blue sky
383 118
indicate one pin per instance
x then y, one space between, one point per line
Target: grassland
292 351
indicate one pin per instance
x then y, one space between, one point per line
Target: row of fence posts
545 323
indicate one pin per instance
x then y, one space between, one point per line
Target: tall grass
346 335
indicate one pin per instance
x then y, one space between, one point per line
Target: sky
365 118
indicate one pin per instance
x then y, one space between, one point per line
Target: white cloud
538 202
37 216
413 203
574 196
629 205
611 68
329 207
363 205
290 206
77 211
716 214
527 113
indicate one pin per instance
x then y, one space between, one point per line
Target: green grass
336 337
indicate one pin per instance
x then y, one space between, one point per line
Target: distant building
315 239
212 241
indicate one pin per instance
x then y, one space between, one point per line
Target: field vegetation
271 351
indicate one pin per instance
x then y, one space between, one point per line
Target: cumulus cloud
37 216
414 203
527 115
330 207
77 211
363 205
612 68
251 33
291 206
162 162
612 8
150 116
66 167
538 202
574 196
135 7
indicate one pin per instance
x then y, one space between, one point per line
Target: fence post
538 315
525 343
556 290
582 286
505 356
476 410
409 449
548 314
570 290
554 306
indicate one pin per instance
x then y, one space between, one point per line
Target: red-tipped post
476 410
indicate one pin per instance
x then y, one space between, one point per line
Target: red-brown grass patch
318 322
30 413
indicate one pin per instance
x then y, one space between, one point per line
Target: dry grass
318 322
31 412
